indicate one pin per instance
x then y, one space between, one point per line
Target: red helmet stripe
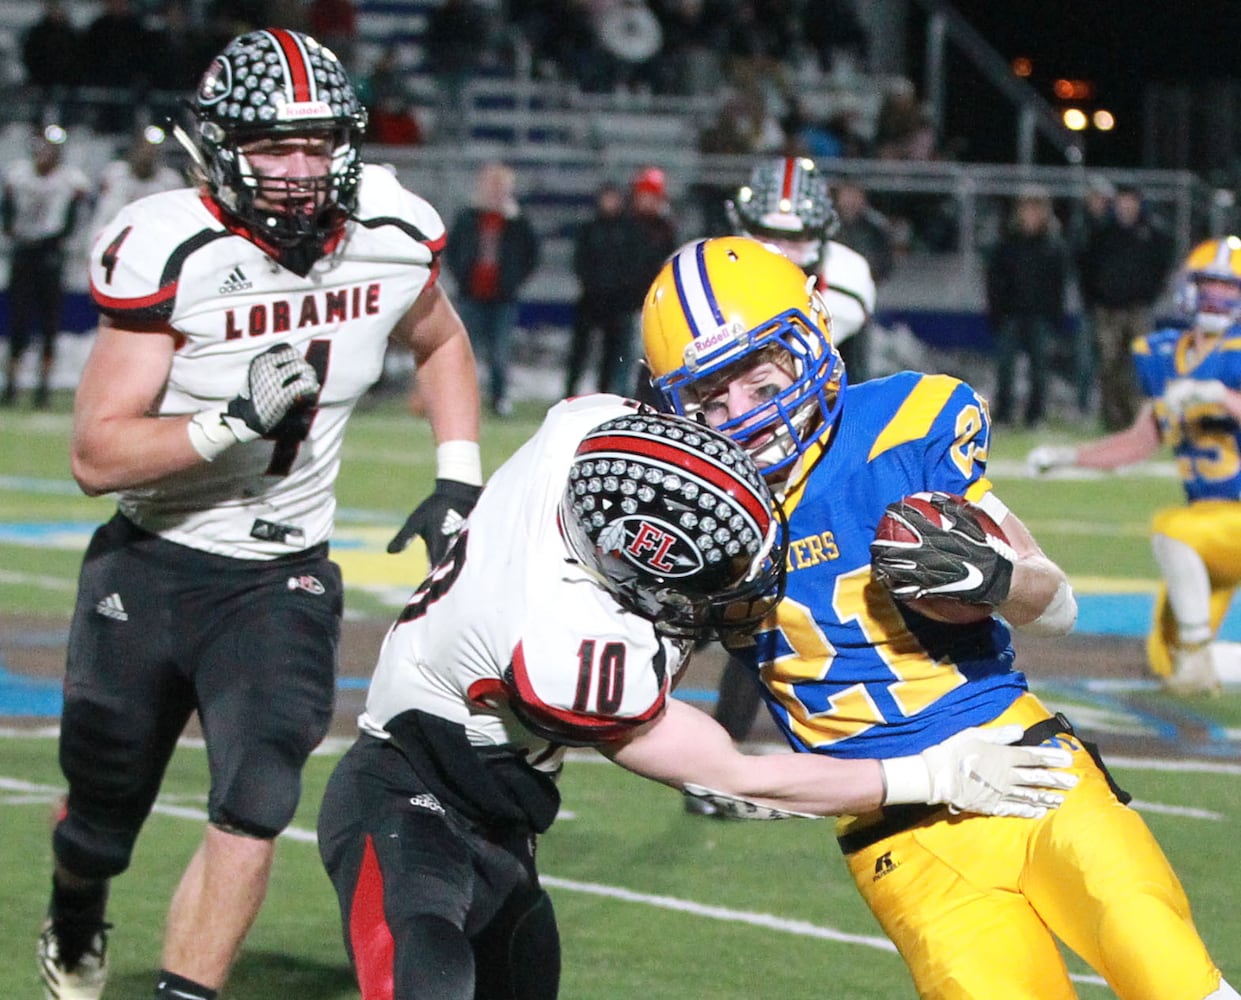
789 179
299 67
660 450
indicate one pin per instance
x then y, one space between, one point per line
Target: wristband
459 460
213 431
905 780
1060 615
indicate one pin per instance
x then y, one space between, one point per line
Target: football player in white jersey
242 321
786 202
563 615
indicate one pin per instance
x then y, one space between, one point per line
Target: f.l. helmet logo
650 545
654 546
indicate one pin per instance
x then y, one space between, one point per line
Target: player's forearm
1035 584
448 383
119 453
687 745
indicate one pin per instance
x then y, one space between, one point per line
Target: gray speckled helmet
786 198
271 83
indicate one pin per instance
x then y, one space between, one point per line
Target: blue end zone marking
1130 614
30 696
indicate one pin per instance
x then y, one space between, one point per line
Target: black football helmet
676 522
267 84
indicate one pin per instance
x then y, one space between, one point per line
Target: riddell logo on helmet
705 343
298 110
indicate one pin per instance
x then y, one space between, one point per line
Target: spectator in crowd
118 58
604 249
834 32
457 35
137 174
335 24
1191 388
651 211
1027 282
1123 269
1092 213
389 103
562 617
41 201
51 50
863 228
492 251
181 48
211 590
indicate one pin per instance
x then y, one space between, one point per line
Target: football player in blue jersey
1191 379
975 906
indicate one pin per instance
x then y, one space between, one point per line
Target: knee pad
519 956
92 849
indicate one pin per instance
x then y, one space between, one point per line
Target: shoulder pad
136 260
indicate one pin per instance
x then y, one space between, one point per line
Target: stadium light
1074 119
1023 67
1103 120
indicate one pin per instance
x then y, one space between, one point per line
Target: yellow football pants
1212 528
974 904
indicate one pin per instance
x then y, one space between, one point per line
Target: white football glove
1181 394
735 807
976 771
1050 456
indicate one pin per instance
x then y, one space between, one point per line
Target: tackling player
563 615
973 905
242 323
1191 379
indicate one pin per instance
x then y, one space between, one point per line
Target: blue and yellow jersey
1205 439
846 670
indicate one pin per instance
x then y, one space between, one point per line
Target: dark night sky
1118 46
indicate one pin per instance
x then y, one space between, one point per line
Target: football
940 609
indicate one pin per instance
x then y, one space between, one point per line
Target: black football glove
960 561
438 518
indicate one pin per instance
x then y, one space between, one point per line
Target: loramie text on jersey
314 309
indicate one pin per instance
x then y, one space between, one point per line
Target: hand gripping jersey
846 670
846 285
510 639
1206 440
172 260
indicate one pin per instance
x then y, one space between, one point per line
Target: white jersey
41 202
511 639
846 285
172 260
120 185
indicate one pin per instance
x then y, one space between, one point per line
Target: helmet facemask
1209 291
780 429
286 212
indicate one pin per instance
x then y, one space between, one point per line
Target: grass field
652 903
